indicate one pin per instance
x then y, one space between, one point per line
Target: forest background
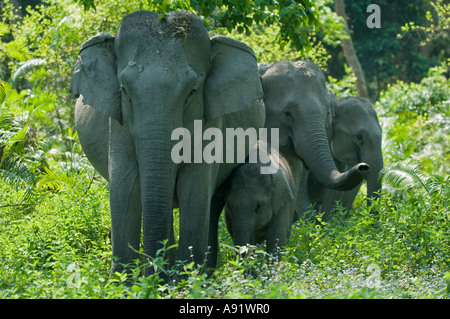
54 208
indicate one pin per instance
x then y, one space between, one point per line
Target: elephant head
298 103
157 74
356 138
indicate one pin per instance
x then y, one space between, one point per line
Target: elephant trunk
243 235
242 238
157 177
315 152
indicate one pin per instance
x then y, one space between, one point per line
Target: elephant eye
288 116
359 139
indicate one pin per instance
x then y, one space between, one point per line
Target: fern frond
407 175
2 92
18 175
26 67
17 49
4 29
55 181
18 137
7 93
41 102
5 121
49 180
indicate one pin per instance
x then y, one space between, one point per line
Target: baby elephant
260 206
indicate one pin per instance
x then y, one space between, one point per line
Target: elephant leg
329 200
301 199
217 205
349 197
195 187
332 197
125 198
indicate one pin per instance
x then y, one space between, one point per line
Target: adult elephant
298 104
355 137
158 74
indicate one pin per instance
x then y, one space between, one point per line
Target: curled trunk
316 154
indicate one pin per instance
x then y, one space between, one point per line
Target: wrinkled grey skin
299 104
259 206
155 75
356 136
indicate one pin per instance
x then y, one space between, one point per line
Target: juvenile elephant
260 206
298 104
355 137
159 74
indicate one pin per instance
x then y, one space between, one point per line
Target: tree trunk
350 54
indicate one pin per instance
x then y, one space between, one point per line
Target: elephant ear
95 76
233 83
282 193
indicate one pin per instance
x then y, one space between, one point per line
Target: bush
430 96
415 122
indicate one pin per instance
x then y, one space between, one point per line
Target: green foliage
415 121
260 36
62 250
15 49
240 15
289 15
261 40
408 176
438 24
427 97
344 87
386 57
88 4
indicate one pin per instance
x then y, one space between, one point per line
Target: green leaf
17 49
4 29
407 175
447 279
87 4
2 91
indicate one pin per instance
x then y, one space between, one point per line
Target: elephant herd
158 74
